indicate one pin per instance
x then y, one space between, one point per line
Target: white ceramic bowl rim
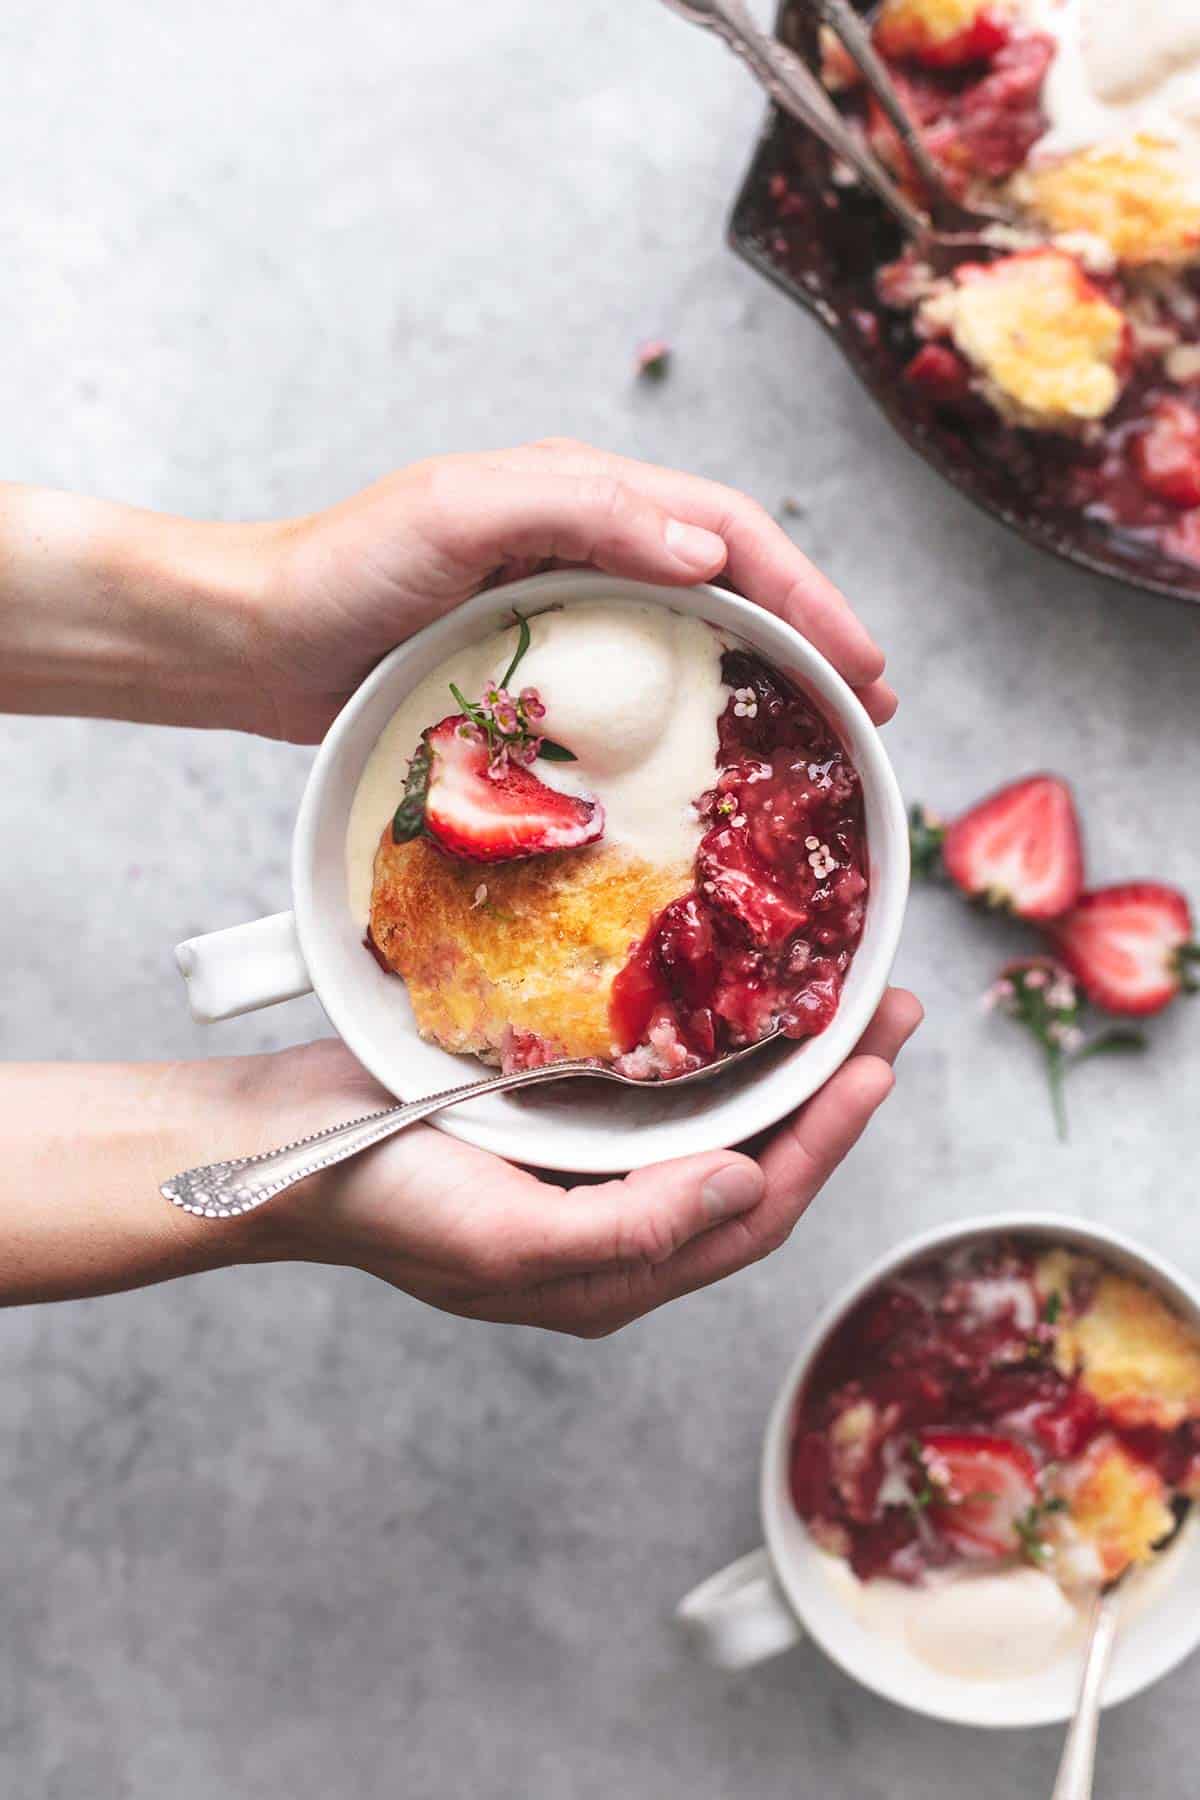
1145 1652
599 1127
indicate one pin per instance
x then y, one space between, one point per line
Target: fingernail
697 549
732 1190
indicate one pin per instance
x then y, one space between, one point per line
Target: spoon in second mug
221 1190
1076 1770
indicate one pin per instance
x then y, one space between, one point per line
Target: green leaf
1119 1040
1052 1308
925 841
556 752
409 819
468 706
522 647
1026 1529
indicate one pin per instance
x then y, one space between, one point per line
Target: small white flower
812 843
1061 995
1036 978
745 704
999 994
738 819
1067 1037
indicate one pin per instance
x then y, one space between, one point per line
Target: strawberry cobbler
999 1407
648 852
1070 352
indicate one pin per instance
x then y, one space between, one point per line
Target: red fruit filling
770 928
934 1427
902 36
1166 453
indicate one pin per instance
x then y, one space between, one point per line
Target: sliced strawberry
482 817
982 1487
1019 849
1130 947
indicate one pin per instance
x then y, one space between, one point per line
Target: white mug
790 1589
592 1127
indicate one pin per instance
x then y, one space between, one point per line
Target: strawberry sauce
770 928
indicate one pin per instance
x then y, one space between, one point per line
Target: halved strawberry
453 796
982 1487
1019 849
1131 948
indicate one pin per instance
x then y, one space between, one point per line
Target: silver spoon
221 1190
794 87
1075 1771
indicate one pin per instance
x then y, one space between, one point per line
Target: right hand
469 1233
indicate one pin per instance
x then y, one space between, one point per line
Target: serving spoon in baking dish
221 1190
949 227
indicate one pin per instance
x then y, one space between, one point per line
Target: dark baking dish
823 251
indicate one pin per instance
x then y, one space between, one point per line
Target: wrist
279 1099
106 610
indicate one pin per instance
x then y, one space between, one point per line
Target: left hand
344 586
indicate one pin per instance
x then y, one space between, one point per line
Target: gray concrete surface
283 1534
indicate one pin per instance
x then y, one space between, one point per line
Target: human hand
471 1234
342 587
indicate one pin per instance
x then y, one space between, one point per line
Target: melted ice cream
634 690
987 1626
1120 69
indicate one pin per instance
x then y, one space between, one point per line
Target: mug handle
739 1617
239 970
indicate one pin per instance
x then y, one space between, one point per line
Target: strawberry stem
1185 956
926 835
409 818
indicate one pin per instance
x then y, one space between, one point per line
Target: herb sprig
1044 998
1028 1528
507 723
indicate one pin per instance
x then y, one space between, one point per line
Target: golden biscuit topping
1139 198
1131 1352
1049 347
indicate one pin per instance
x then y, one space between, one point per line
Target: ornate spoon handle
793 86
222 1189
